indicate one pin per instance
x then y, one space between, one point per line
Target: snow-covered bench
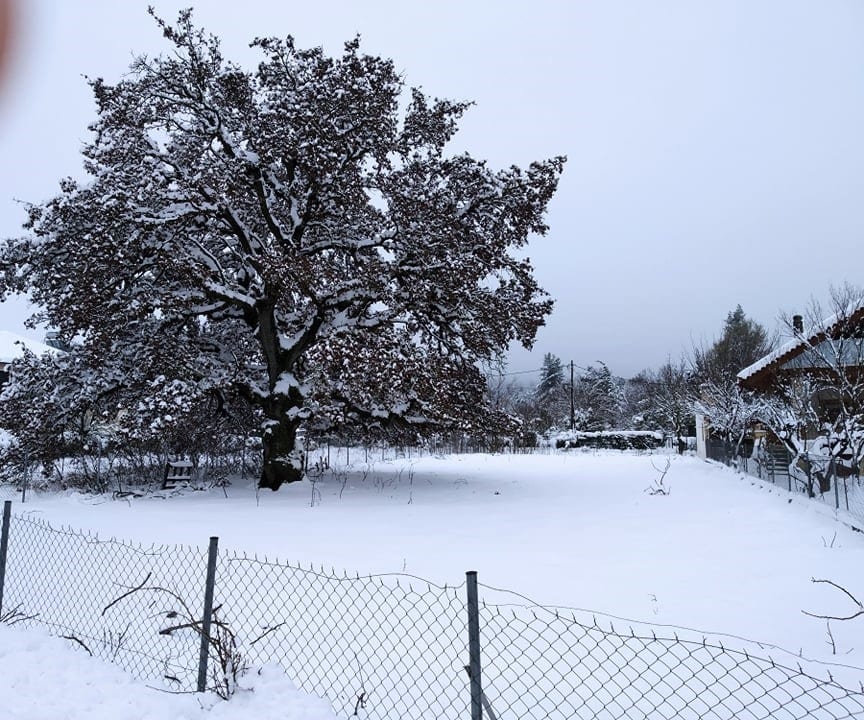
176 471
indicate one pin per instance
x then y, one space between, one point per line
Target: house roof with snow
760 373
11 346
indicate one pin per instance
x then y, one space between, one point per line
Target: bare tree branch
127 594
845 592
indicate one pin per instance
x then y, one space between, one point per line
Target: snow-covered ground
41 679
721 553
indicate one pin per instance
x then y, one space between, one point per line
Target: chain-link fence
808 474
384 647
543 663
9 492
392 646
74 583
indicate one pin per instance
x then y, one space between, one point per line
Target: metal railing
387 646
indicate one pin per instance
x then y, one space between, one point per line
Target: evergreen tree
551 393
600 398
718 394
742 343
551 379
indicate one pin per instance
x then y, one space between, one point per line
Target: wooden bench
176 471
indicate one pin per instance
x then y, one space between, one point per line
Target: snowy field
722 553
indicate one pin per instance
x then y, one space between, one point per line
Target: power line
528 372
519 372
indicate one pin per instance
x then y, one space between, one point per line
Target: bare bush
230 664
659 486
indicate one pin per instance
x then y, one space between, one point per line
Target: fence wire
542 663
9 492
69 581
822 485
392 646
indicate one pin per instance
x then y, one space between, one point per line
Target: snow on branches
265 224
814 387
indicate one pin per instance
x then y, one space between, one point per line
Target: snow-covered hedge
610 439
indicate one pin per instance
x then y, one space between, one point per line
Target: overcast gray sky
716 147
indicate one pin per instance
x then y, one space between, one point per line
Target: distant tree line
664 398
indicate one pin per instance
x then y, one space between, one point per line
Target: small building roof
10 346
756 374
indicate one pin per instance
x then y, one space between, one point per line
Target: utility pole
572 406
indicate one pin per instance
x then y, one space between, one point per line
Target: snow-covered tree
730 409
551 394
31 407
599 398
131 417
666 398
814 401
742 342
718 395
636 410
292 236
551 378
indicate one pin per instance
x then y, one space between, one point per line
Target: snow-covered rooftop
800 341
10 346
773 356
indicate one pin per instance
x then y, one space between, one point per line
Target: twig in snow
848 594
76 640
658 487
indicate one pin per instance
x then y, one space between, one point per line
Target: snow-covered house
11 347
814 387
830 353
835 344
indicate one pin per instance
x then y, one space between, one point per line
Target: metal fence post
26 476
474 645
4 546
208 611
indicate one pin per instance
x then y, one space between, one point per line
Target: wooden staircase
775 464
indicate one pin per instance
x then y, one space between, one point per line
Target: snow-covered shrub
97 428
610 440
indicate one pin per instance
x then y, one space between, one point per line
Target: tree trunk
282 462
